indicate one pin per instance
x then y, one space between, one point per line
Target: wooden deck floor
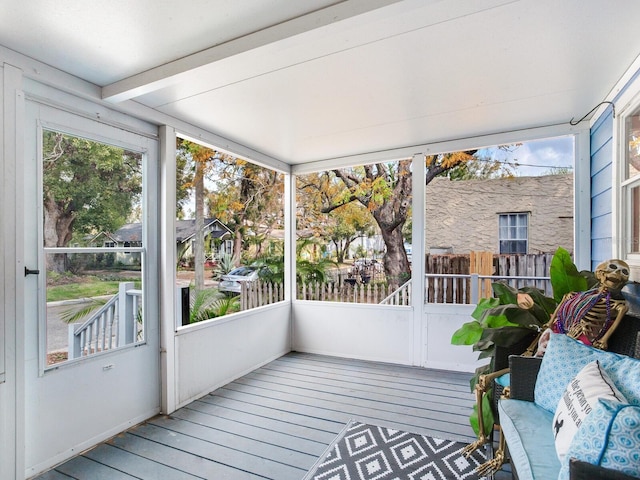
276 421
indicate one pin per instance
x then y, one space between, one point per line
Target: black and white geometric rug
369 452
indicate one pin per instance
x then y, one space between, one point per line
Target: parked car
232 282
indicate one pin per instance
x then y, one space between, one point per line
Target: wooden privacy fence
448 276
469 289
487 263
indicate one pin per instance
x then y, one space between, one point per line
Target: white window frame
99 133
526 239
622 186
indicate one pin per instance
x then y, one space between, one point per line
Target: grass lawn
84 289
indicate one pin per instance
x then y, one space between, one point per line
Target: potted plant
514 316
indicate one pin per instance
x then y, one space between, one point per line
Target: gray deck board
274 422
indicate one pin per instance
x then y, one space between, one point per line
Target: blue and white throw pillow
579 399
609 437
564 359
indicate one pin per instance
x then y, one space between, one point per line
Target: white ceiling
318 79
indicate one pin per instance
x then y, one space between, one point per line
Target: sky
538 157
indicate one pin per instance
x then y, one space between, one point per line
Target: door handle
28 271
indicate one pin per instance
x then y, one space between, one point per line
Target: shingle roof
185 229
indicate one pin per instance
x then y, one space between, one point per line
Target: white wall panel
367 332
383 333
441 321
214 353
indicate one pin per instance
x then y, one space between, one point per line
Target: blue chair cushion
527 429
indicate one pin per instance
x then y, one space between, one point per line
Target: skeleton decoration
590 317
593 315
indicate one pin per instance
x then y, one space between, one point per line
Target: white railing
115 324
469 289
401 296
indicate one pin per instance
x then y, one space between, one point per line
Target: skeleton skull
612 274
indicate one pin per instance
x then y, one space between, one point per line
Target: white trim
630 101
170 73
12 391
290 240
582 200
620 88
616 176
167 269
218 143
35 72
418 226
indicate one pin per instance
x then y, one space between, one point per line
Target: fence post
475 290
126 315
185 307
74 342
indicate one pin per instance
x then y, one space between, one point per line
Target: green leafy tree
88 188
248 199
385 190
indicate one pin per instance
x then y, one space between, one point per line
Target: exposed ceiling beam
170 73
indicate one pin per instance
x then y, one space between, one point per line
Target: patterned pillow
609 437
564 359
579 399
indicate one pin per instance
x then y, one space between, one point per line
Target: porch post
417 266
289 237
126 315
582 200
167 267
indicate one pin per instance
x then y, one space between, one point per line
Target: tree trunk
395 261
58 228
237 246
391 217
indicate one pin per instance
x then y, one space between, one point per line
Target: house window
513 232
630 183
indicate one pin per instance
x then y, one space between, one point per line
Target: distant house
502 215
217 239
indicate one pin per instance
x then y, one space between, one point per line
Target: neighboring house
502 215
217 239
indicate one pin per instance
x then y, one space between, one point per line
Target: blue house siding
601 185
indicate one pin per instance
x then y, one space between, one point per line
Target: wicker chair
518 361
524 372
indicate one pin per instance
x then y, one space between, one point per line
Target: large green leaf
565 277
547 304
486 353
510 316
505 336
483 305
468 334
504 293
